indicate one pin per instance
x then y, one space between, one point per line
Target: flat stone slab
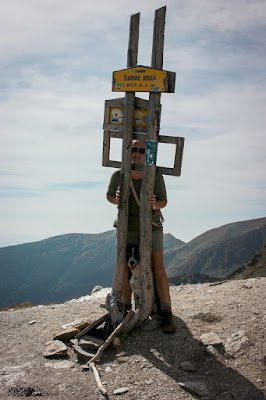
90 342
211 339
67 334
198 388
78 324
55 348
187 366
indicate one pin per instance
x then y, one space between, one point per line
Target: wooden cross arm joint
118 134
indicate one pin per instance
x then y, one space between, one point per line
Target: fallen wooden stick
98 379
83 353
91 326
111 337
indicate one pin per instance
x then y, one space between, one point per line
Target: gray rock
235 343
211 350
211 338
187 366
198 388
121 390
247 285
32 322
55 348
74 342
96 289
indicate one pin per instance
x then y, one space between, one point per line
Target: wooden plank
125 170
158 38
114 164
106 114
168 139
162 170
142 136
171 81
106 148
119 128
178 157
148 180
83 353
124 195
119 102
114 128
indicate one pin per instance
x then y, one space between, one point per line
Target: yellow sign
117 116
139 79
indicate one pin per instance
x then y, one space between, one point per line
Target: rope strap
133 190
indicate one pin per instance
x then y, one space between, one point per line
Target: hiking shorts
157 239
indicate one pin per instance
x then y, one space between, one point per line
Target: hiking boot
168 325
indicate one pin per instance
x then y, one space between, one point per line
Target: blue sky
57 59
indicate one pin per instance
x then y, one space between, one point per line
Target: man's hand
117 195
152 202
157 204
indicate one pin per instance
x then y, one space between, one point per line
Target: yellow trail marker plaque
140 79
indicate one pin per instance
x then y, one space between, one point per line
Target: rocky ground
227 364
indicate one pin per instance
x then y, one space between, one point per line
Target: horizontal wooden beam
119 128
118 134
120 103
162 170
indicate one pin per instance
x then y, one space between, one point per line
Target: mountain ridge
70 265
239 241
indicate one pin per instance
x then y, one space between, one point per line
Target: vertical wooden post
148 180
114 303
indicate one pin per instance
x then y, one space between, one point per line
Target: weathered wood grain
129 109
148 180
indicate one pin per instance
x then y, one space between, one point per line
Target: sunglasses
137 150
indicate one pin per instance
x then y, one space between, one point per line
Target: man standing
157 201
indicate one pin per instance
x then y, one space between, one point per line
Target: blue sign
151 152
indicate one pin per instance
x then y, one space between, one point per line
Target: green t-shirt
133 217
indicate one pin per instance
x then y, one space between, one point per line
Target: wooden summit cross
131 118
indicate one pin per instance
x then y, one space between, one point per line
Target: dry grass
26 304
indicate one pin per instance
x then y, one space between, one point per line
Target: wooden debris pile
88 341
